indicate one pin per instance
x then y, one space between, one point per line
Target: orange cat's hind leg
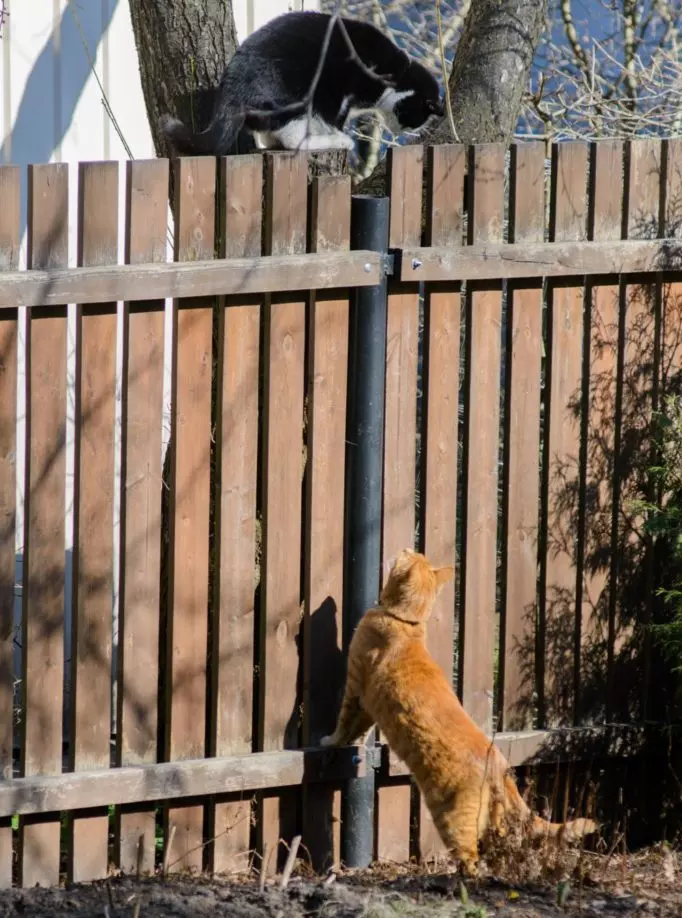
457 824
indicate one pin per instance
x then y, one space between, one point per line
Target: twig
264 864
105 101
291 859
446 81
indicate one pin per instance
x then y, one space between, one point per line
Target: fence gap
140 530
562 444
237 463
10 238
327 372
521 480
195 182
44 525
479 557
281 616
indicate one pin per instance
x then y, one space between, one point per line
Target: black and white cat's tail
219 139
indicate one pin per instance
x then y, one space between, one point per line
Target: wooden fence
534 324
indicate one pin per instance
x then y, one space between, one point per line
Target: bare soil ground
648 883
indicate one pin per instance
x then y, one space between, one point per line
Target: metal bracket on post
364 487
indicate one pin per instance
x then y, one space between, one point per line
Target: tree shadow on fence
590 655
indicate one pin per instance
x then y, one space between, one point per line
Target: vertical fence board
558 623
138 648
597 540
191 444
400 440
639 399
93 514
440 420
44 526
671 312
484 316
323 634
286 218
241 210
9 256
522 466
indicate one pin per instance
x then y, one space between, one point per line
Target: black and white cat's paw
327 741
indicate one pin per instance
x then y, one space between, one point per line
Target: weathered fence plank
91 634
325 492
522 450
564 259
141 486
237 437
238 276
281 613
482 420
400 439
440 420
640 397
175 780
562 453
195 181
596 537
9 255
43 611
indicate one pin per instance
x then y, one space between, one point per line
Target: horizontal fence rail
133 784
268 274
222 277
514 261
186 420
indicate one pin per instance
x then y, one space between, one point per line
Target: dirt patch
646 884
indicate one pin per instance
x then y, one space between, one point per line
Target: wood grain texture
43 611
142 405
441 421
566 329
241 229
522 451
640 397
135 784
91 636
598 605
400 437
482 420
238 276
281 613
195 182
325 480
495 261
9 256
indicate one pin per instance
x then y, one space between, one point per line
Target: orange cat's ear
443 574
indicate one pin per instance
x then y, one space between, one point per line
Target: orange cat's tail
569 831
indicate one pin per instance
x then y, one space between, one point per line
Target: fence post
364 487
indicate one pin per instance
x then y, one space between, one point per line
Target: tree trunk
489 75
183 47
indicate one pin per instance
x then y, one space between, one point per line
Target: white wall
58 59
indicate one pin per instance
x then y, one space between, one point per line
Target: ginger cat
394 682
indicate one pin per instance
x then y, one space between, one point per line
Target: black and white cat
262 102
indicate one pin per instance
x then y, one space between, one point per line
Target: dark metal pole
364 487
